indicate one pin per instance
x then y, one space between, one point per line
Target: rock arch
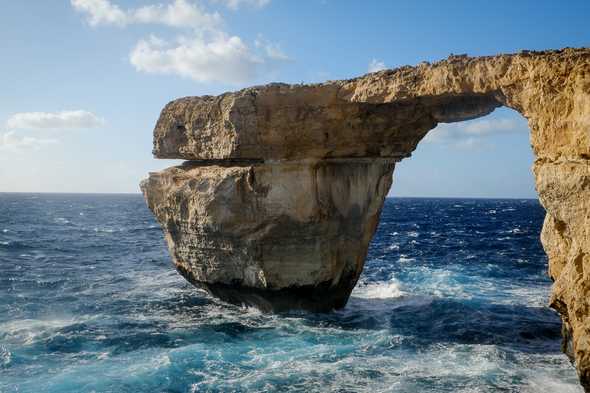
284 184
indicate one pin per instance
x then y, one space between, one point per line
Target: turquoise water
453 299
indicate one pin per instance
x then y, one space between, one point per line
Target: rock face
284 188
277 235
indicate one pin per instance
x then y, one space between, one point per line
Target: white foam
404 259
5 230
552 373
413 234
155 284
152 363
379 290
5 356
26 331
356 370
364 360
547 384
394 246
440 283
532 295
104 230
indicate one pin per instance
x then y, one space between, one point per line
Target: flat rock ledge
284 184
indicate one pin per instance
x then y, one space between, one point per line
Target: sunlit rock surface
283 193
279 235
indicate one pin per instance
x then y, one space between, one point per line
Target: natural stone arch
286 182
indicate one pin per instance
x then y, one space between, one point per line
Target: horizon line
387 197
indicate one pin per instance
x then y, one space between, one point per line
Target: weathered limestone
295 122
278 236
286 182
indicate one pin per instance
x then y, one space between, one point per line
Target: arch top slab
383 114
284 185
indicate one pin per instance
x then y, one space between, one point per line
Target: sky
83 81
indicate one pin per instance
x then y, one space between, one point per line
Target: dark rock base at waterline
324 297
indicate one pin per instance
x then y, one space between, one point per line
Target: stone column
278 236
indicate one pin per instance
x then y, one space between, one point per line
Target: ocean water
452 299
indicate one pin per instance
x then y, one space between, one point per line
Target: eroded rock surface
286 182
278 236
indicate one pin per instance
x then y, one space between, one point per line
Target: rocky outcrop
283 191
274 235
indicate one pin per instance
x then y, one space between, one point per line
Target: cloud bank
180 13
203 52
224 59
11 141
54 120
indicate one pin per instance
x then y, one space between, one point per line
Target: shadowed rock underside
285 183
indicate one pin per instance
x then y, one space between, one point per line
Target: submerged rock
286 183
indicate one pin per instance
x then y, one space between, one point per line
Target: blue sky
83 81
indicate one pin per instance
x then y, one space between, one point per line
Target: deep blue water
452 299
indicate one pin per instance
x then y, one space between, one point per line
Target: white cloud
180 13
204 53
54 120
272 51
467 135
376 65
486 127
101 12
223 59
235 4
11 141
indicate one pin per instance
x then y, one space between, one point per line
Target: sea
453 298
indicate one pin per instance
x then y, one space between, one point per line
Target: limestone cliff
286 182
